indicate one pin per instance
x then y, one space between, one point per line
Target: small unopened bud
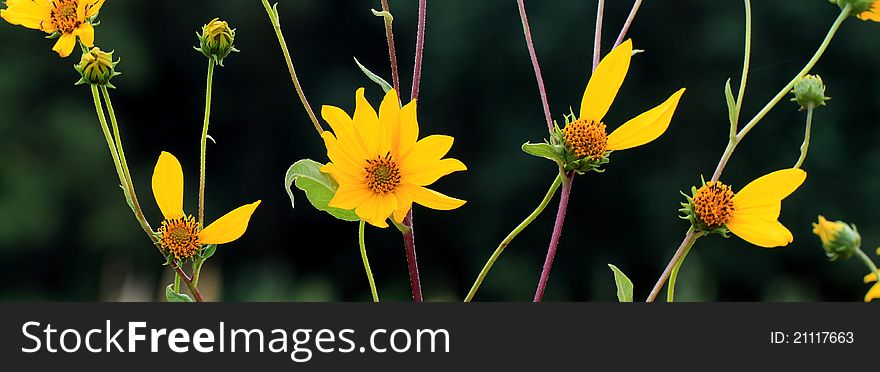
216 40
840 240
858 6
97 68
809 92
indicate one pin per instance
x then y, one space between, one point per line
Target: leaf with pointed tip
624 285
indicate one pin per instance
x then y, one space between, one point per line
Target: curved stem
204 141
806 145
868 262
531 46
747 55
512 235
276 24
689 239
557 233
392 54
673 278
628 23
363 247
420 46
597 39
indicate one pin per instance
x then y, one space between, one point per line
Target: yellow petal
31 14
770 188
168 186
93 8
429 198
404 138
343 129
389 119
873 293
64 45
404 204
645 127
431 172
605 82
340 154
349 197
366 124
86 34
343 175
872 14
872 277
229 227
763 233
427 150
377 209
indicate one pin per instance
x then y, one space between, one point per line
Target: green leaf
319 187
172 296
384 14
542 150
624 285
375 78
731 102
209 251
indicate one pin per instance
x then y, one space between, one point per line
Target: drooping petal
64 45
404 204
28 13
377 209
389 120
349 197
770 188
229 227
168 186
426 150
430 198
93 8
873 293
645 127
872 277
86 34
430 172
763 233
404 138
366 124
768 211
605 82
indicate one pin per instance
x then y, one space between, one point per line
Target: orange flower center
180 237
383 174
64 16
713 204
586 138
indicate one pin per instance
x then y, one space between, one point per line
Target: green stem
276 24
806 145
176 283
689 239
363 247
734 126
868 262
204 142
109 137
512 235
197 270
673 277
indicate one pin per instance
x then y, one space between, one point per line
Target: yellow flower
587 137
69 18
839 240
874 292
380 166
872 14
753 212
180 235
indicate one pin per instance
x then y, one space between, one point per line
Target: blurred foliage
67 234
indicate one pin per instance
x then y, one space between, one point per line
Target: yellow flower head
587 136
839 240
379 163
752 213
827 230
180 235
69 18
874 292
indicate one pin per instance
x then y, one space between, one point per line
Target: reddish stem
392 54
531 45
628 23
597 41
557 233
412 264
420 46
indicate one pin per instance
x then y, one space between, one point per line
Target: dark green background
67 234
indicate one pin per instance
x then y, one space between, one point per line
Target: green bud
809 92
839 240
216 40
97 68
858 6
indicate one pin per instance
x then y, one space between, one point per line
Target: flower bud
839 239
858 6
809 92
96 67
216 40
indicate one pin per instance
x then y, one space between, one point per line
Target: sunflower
67 18
586 136
378 163
872 14
180 235
752 213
